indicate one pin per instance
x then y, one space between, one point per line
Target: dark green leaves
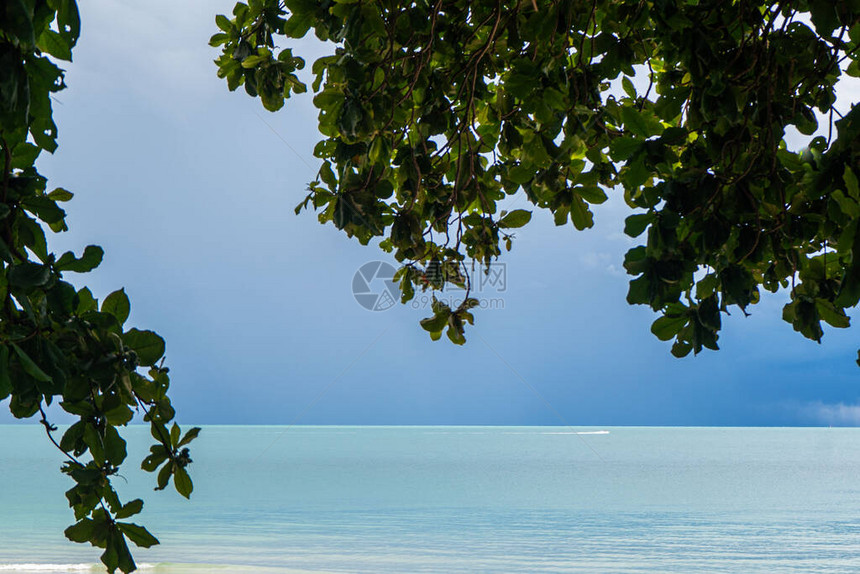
148 345
451 321
172 454
437 323
189 436
137 534
17 21
68 21
516 218
130 509
182 482
61 194
55 343
430 122
666 327
224 23
114 446
81 532
91 258
158 454
636 224
117 304
5 379
56 45
635 122
14 86
29 365
29 275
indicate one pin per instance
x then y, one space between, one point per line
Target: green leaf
137 534
90 259
298 25
634 122
116 554
516 218
69 20
628 87
253 61
80 532
5 381
61 194
182 482
674 136
94 443
223 23
119 416
130 509
54 44
639 291
436 323
189 436
115 447
164 476
455 335
174 434
849 207
833 316
29 366
28 275
592 194
824 16
636 224
580 215
851 184
666 328
86 301
5 254
681 349
44 208
117 304
636 174
521 174
219 39
147 344
18 20
154 460
707 285
24 155
73 435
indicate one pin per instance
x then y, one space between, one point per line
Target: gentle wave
49 567
159 568
60 568
579 432
554 432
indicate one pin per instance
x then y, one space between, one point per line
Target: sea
440 499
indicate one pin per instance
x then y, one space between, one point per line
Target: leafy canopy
434 112
56 341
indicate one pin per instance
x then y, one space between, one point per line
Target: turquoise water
466 499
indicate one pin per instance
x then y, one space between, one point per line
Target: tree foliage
433 112
56 341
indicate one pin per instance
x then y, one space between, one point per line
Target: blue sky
190 189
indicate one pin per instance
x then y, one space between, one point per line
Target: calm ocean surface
465 499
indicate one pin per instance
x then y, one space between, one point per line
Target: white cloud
601 260
840 414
